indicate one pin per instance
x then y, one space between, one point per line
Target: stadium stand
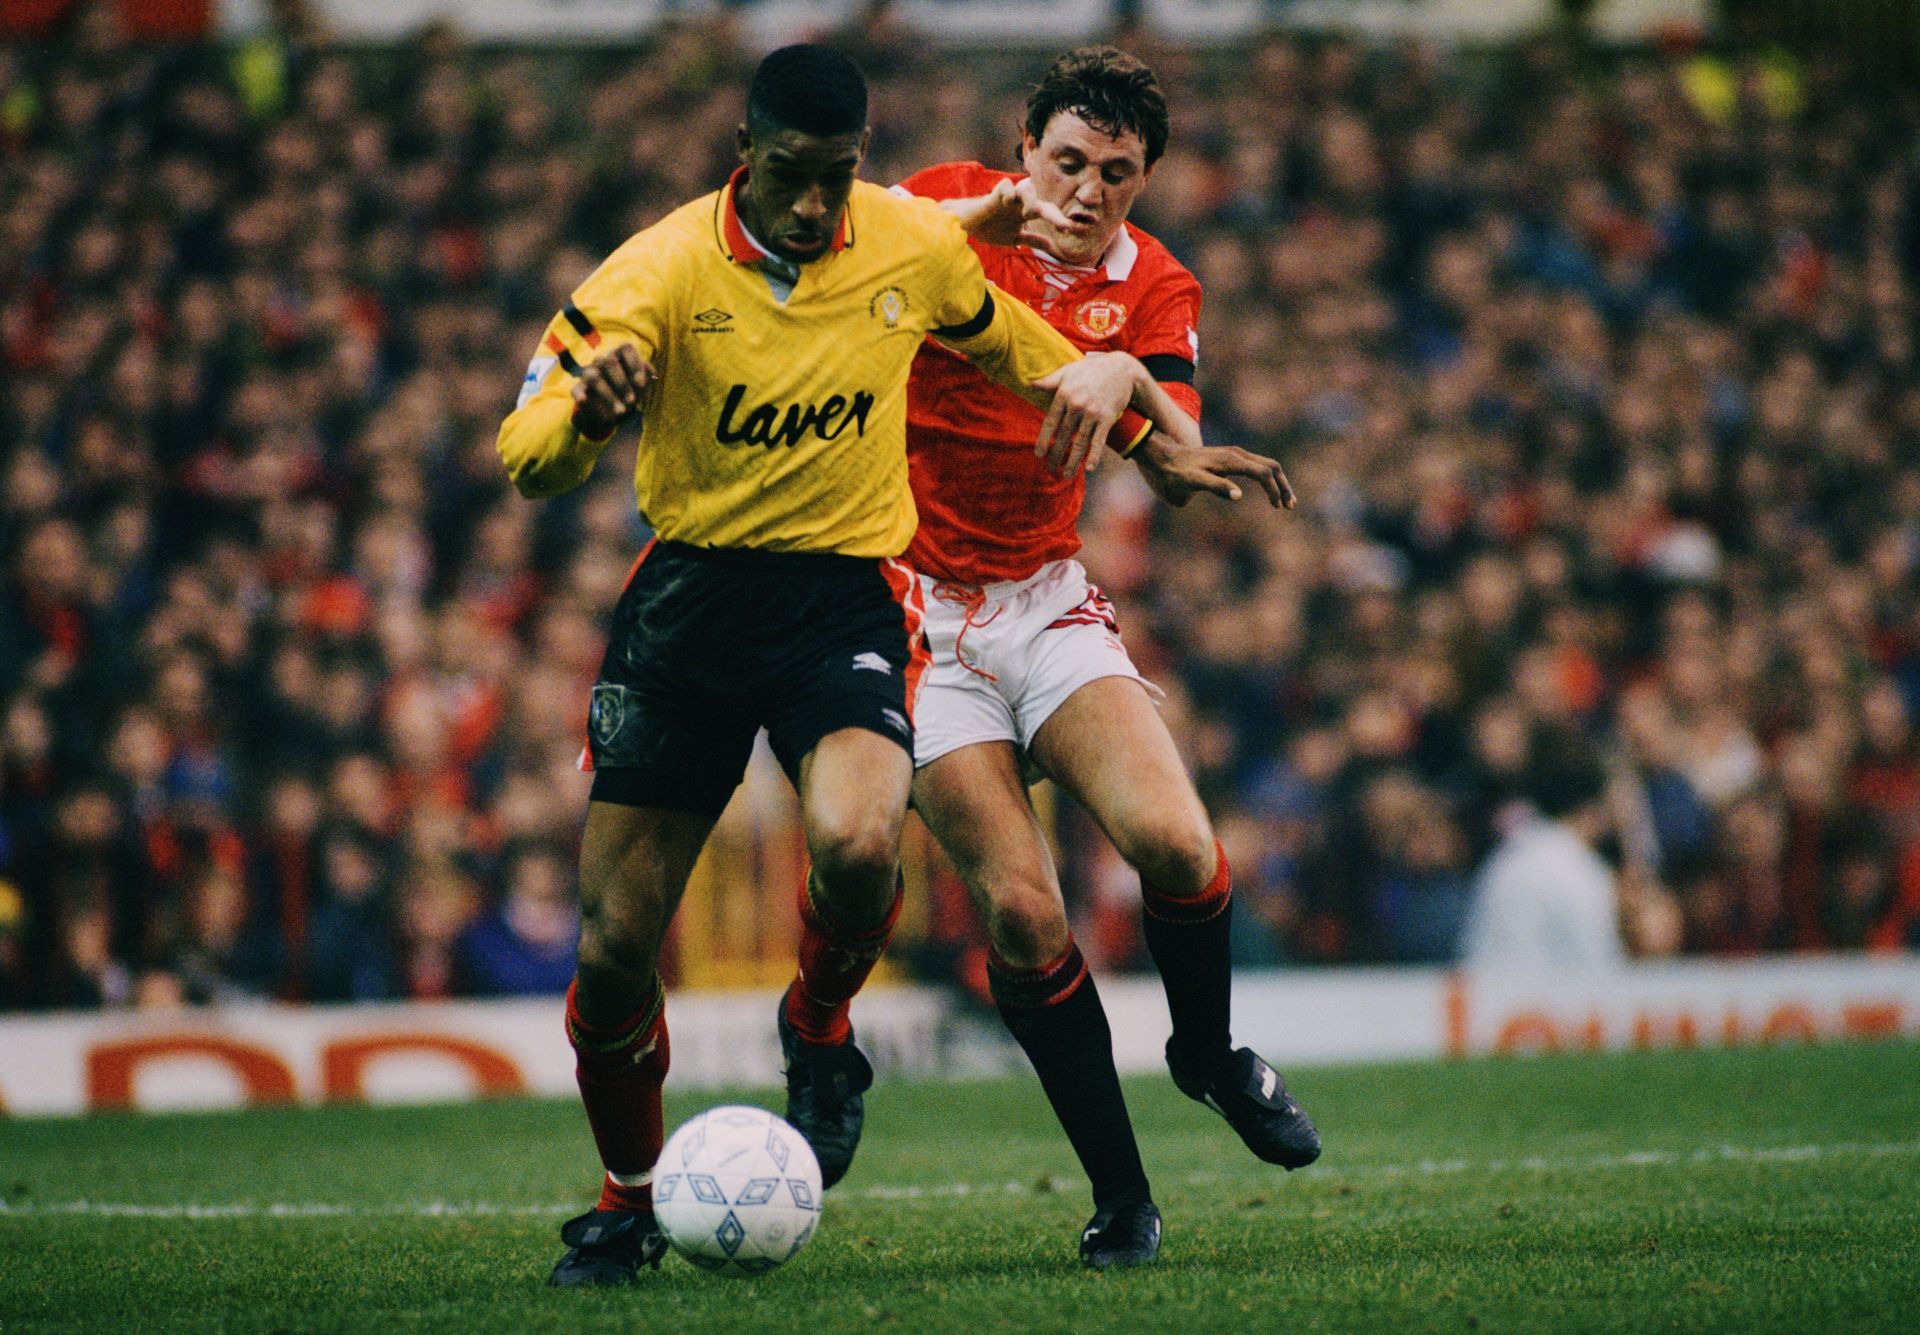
1596 372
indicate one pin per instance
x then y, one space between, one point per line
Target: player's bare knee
618 942
855 844
855 865
1028 928
1173 851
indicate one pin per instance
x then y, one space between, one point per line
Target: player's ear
1027 146
743 141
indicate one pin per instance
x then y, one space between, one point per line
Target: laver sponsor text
766 425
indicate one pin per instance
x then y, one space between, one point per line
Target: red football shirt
989 510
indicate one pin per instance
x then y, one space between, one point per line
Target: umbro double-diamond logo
713 320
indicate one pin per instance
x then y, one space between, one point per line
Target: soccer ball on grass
737 1190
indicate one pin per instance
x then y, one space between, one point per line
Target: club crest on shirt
1099 318
888 305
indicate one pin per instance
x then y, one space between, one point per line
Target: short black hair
813 89
1564 771
1109 90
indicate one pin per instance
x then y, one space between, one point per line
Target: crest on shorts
888 305
1099 318
607 713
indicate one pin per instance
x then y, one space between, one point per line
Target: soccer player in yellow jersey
764 335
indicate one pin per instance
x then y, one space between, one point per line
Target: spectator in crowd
525 947
1601 394
1546 902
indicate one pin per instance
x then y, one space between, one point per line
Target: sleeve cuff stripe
1169 369
581 324
972 328
559 350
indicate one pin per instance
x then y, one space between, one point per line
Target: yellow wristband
1134 429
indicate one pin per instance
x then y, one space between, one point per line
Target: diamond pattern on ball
757 1192
801 1241
730 1235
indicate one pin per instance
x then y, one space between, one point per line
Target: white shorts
1006 656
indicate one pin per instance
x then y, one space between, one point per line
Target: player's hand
1177 474
1089 396
1005 215
609 389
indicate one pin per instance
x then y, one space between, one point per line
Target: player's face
1092 176
797 188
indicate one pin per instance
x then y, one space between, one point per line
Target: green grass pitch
1753 1190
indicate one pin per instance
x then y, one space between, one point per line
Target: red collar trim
741 247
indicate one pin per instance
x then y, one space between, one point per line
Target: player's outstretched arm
1090 397
551 442
1005 215
1013 347
1149 407
1178 472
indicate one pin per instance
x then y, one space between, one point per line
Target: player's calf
1188 932
827 1076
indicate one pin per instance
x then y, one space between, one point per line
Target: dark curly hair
814 89
1109 90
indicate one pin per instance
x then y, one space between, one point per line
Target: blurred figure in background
1546 901
526 945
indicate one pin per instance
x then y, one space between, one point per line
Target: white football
737 1190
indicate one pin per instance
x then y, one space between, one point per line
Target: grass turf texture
1752 1190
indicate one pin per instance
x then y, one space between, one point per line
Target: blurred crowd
1596 372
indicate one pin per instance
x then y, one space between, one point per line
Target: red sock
620 1071
834 963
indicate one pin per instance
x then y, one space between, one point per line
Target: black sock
1055 1014
1190 941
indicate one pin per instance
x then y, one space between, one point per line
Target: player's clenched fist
609 390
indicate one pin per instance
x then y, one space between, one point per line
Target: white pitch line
1706 1154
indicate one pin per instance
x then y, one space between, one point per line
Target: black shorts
708 646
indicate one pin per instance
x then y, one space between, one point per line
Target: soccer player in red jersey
1028 670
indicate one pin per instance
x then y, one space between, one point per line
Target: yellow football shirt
778 425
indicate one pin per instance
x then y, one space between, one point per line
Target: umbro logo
871 662
713 320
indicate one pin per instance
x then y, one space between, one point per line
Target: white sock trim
630 1179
